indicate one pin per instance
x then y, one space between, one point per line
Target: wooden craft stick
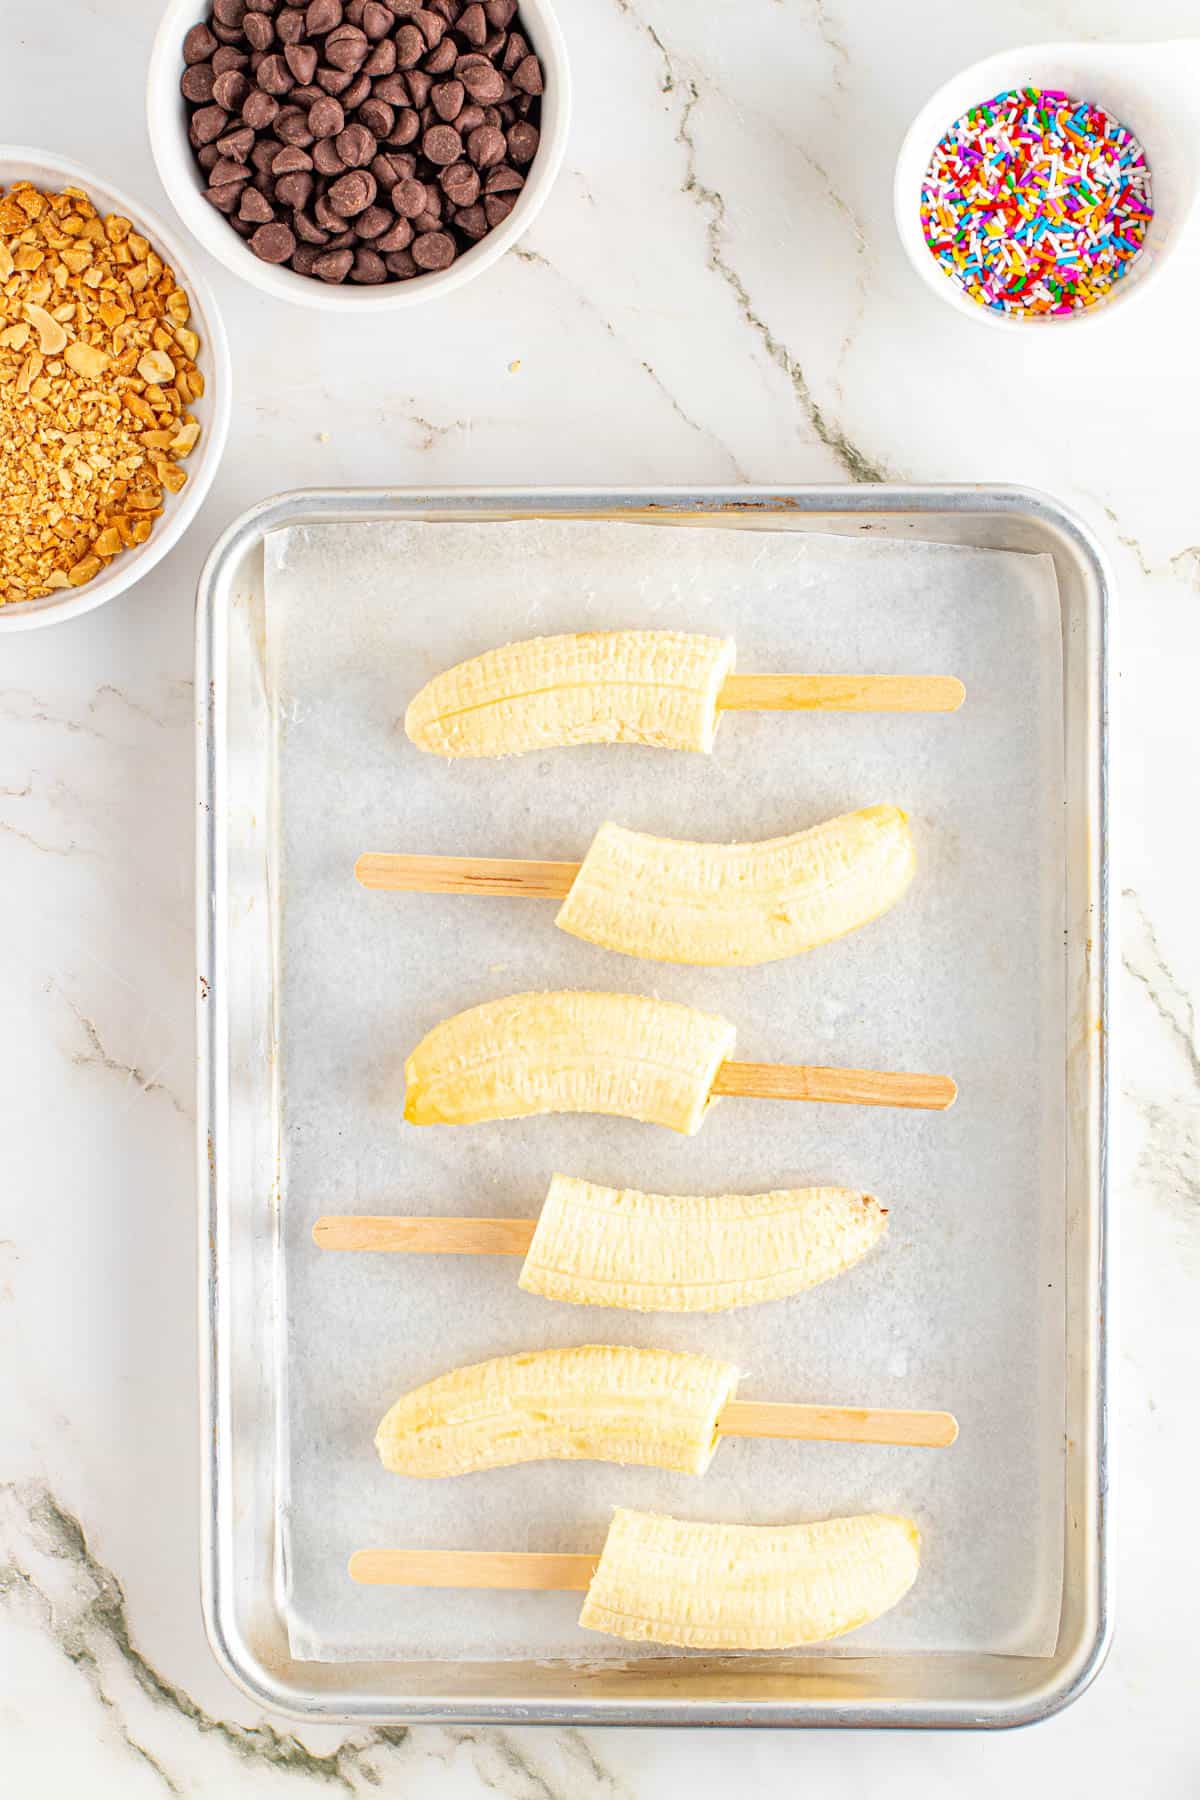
838 1424
466 875
842 1087
472 1568
841 693
425 1237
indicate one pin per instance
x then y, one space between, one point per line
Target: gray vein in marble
1130 543
26 837
21 793
828 36
853 460
1145 962
1169 1160
94 1629
96 1055
431 432
537 260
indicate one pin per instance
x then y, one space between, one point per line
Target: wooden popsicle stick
837 1424
465 875
841 693
472 1568
438 1237
842 1087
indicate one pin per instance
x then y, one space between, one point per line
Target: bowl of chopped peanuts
114 390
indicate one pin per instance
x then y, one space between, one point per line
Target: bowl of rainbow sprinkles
1054 183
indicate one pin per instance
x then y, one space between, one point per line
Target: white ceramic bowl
166 115
1154 89
18 163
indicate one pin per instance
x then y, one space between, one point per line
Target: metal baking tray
238 1111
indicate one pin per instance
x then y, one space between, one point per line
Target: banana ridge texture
569 1051
748 1587
604 1403
589 687
738 905
601 1246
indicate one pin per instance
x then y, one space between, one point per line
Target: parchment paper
962 1305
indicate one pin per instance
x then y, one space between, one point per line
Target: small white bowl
166 114
1153 89
51 173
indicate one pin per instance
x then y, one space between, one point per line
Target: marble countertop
714 293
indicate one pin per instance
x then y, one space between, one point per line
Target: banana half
568 1052
748 1587
656 1407
588 687
739 904
600 1246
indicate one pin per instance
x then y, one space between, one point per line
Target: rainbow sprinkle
1036 204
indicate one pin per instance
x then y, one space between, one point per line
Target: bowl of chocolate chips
358 153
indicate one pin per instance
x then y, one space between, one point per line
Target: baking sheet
962 1307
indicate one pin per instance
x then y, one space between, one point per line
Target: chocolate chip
197 82
504 180
225 199
289 27
226 34
274 76
377 20
334 81
434 250
528 76
230 90
441 60
472 221
260 33
356 146
227 58
410 47
335 265
426 222
346 48
225 171
303 258
237 144
442 144
378 117
486 145
522 141
255 206
295 190
357 92
326 160
431 25
500 13
260 110
373 223
273 243
473 24
382 59
322 16
369 268
326 117
208 156
342 240
229 12
470 116
409 198
301 59
325 216
291 160
306 227
448 98
208 125
291 127
263 155
515 51
401 265
352 193
497 207
420 86
406 128
460 184
483 84
398 238
354 12
199 44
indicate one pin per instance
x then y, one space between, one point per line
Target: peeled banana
748 1587
568 1052
739 904
587 687
600 1246
657 1407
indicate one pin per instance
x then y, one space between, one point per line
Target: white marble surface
713 293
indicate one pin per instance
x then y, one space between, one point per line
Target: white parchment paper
961 1307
